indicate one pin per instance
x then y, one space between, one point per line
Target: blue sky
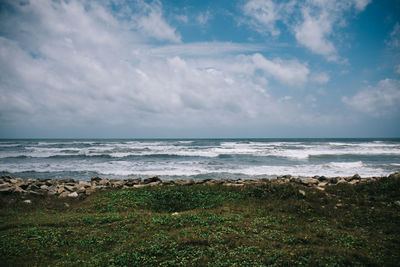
250 68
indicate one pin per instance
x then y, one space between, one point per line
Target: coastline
70 188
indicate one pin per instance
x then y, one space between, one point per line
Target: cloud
394 40
263 14
204 17
312 22
289 72
66 64
152 23
377 101
320 78
312 34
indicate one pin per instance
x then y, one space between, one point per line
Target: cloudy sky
181 68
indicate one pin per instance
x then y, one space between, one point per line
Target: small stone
66 205
397 203
28 201
356 177
73 195
175 213
302 192
320 188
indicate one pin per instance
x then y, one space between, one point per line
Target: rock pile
70 188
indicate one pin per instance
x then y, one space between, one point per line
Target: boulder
84 183
132 182
309 181
151 179
95 179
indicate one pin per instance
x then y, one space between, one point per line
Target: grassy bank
207 225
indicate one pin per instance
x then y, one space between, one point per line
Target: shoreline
70 188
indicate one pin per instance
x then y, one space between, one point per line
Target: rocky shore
69 188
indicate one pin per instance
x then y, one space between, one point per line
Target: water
198 158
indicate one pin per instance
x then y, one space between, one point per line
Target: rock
66 180
84 183
19 190
81 189
183 182
151 179
322 184
104 182
66 205
356 177
302 192
64 194
175 213
395 175
6 188
354 182
231 184
95 179
341 181
132 182
73 195
309 181
139 185
320 188
60 189
44 187
28 201
397 203
90 191
322 179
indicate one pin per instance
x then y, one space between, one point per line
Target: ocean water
198 158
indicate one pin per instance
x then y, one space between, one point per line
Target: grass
203 225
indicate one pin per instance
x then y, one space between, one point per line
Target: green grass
204 225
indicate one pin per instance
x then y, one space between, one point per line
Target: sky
199 69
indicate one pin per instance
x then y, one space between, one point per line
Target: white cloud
380 100
394 40
153 24
361 4
69 65
264 14
320 78
289 72
204 17
311 21
312 34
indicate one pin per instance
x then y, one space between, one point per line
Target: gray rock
132 182
151 179
95 179
302 192
28 201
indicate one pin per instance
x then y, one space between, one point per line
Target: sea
198 158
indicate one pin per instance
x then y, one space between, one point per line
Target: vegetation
207 225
